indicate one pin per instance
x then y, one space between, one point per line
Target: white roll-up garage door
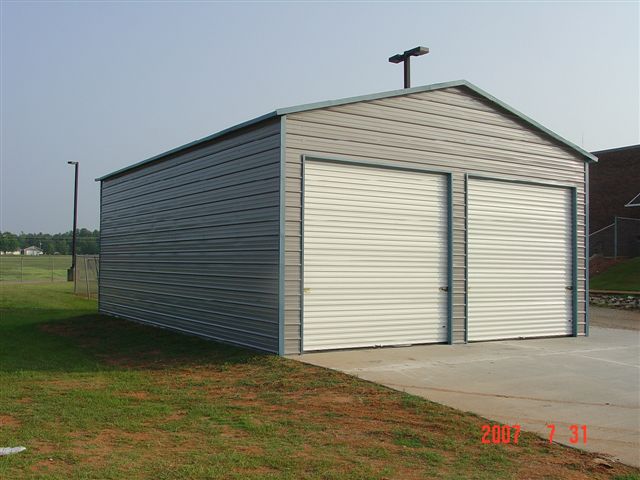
375 256
519 260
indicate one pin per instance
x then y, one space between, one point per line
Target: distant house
614 198
31 251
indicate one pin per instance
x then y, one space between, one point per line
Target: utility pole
406 58
71 273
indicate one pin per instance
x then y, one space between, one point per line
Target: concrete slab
615 318
593 381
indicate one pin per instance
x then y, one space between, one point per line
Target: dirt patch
97 449
571 469
599 264
46 466
9 421
334 398
263 416
43 448
229 432
136 395
175 416
76 383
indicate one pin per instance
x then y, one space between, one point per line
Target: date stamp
500 434
578 433
504 434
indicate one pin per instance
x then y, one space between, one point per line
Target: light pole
71 273
405 57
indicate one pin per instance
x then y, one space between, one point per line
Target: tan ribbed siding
452 130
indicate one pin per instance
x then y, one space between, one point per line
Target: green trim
574 269
588 156
466 258
450 258
100 248
363 98
302 181
586 250
282 239
439 86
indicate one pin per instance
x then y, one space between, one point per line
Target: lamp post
405 57
71 273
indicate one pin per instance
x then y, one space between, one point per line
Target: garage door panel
332 172
373 234
519 260
375 256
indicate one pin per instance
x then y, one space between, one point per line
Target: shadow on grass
94 342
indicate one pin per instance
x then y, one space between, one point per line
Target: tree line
87 242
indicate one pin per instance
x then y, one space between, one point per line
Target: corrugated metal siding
191 243
520 260
453 130
375 256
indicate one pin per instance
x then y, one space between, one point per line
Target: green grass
623 276
15 268
92 397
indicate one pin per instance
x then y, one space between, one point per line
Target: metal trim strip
450 258
574 268
466 258
586 250
100 247
281 246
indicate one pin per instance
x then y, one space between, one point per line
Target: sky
111 83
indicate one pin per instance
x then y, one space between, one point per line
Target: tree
9 242
61 246
88 242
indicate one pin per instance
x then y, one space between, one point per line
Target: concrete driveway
592 381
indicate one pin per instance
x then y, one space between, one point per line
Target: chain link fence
619 239
34 268
86 278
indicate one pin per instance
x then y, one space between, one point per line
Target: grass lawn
39 267
96 397
623 276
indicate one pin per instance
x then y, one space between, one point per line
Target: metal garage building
423 215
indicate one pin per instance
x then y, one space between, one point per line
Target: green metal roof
363 98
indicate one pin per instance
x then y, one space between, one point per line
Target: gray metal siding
191 242
452 130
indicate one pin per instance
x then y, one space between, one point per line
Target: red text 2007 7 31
511 433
